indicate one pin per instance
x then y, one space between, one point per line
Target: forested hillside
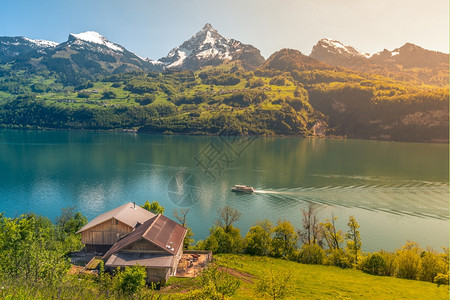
291 94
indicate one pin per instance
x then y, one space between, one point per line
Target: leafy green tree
374 264
353 239
153 207
284 239
70 221
30 249
274 284
430 266
408 261
227 216
258 239
108 95
130 280
220 241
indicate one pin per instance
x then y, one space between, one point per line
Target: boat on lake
242 189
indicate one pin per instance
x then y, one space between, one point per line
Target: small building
104 231
157 244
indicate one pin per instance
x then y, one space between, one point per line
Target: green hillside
313 281
291 94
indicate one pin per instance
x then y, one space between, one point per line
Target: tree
108 95
408 261
374 264
311 233
153 207
332 236
430 266
228 216
69 221
284 239
31 250
353 238
180 215
258 239
274 284
130 280
220 241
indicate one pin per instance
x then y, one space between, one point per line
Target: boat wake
422 199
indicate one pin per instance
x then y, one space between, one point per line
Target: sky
152 28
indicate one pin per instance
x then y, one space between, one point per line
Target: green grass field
315 281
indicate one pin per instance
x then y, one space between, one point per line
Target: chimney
134 205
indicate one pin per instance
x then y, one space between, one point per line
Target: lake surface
396 191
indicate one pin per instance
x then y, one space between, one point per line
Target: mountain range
210 83
89 53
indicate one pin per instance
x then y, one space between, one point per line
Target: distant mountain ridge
89 53
405 63
15 46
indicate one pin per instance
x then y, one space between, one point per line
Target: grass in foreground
314 281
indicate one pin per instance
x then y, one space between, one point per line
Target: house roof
155 260
128 213
160 231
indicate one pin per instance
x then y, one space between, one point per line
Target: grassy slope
321 282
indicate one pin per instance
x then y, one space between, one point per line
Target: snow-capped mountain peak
336 46
96 38
42 43
208 47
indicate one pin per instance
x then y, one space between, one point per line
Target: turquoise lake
396 191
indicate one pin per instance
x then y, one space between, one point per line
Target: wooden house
157 244
105 230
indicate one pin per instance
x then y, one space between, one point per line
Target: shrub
256 82
311 254
374 264
83 95
130 280
441 279
338 257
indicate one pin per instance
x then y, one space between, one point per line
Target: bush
84 95
338 258
146 99
441 279
374 264
130 280
408 261
108 95
311 254
430 266
252 83
278 80
223 79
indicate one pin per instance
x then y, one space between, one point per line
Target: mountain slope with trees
215 85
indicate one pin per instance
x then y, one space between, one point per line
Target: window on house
114 222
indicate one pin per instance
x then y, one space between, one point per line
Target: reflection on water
396 191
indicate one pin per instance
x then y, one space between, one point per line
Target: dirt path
249 278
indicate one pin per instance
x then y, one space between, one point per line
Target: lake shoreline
137 131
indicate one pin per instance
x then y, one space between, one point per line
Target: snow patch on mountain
96 38
42 43
341 48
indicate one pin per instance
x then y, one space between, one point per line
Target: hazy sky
152 28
